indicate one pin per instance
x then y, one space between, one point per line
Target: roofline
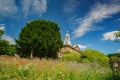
71 47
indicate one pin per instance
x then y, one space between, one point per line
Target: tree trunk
31 54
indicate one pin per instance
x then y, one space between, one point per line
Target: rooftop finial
67 39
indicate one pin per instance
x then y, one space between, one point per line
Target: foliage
1 33
6 48
90 55
71 56
117 34
40 38
115 65
114 55
4 45
15 68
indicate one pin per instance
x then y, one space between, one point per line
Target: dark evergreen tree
40 38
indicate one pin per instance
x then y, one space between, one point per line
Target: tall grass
13 68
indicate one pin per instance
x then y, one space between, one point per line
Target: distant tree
39 38
117 34
6 48
3 46
1 33
114 55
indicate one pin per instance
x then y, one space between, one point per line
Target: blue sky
91 23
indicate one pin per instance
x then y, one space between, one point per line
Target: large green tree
39 38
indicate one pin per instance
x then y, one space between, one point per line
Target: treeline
114 55
6 48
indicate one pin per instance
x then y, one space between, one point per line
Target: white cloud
97 14
26 6
8 8
118 51
34 6
90 45
82 46
70 6
8 38
109 35
40 6
2 26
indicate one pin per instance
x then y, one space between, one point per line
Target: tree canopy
90 55
1 33
39 38
117 34
114 55
6 48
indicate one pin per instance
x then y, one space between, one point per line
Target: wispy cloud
82 46
9 39
118 51
40 6
8 8
70 6
34 6
26 4
98 13
90 45
2 26
109 35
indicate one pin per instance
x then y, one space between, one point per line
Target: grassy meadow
16 68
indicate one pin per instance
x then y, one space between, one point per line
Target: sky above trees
91 23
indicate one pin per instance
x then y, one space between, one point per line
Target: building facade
67 46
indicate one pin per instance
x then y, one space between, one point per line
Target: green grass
12 68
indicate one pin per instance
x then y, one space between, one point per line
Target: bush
90 55
115 64
6 48
114 55
71 56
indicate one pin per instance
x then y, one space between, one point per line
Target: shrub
115 64
90 55
71 56
6 48
114 55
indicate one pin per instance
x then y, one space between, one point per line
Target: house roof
71 48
